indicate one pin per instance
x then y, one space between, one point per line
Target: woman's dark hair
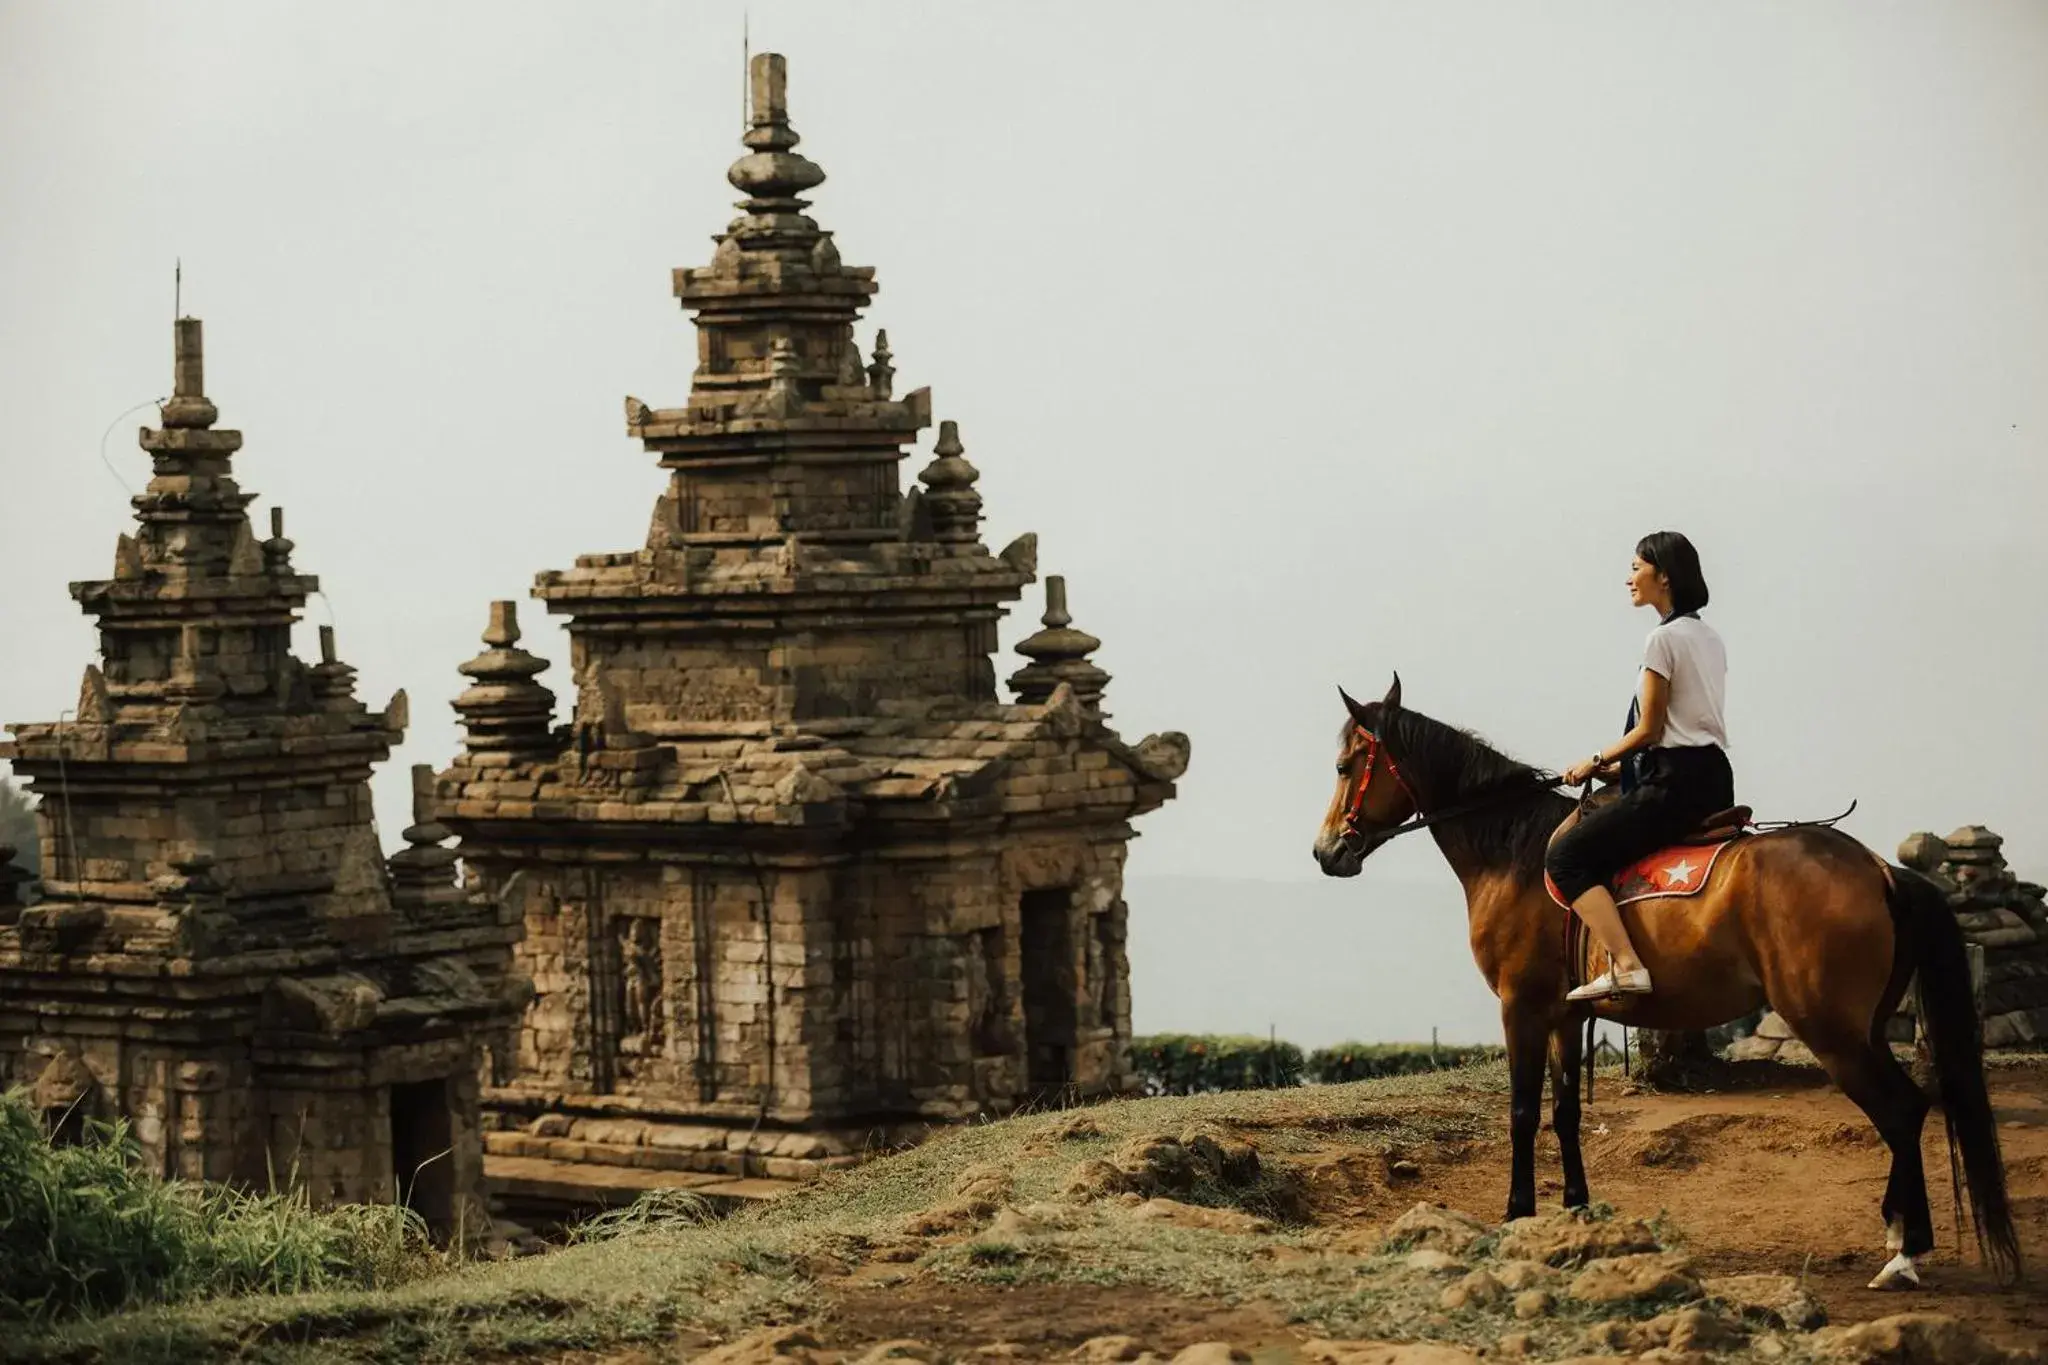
1672 555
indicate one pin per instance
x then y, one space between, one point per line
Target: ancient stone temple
220 953
795 879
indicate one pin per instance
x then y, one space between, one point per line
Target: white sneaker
1609 983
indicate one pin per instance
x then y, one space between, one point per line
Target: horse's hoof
1898 1273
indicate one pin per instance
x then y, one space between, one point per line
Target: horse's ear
1356 708
1393 698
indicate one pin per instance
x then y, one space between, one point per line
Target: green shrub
1363 1061
84 1229
1201 1063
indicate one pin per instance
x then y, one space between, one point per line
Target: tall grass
83 1228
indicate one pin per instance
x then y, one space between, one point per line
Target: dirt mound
978 1191
1571 1237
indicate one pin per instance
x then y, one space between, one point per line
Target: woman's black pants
1677 789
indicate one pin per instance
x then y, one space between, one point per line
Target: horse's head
1372 797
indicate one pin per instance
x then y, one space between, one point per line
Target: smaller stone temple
797 883
221 953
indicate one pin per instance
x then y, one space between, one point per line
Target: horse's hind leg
1870 1076
1565 1056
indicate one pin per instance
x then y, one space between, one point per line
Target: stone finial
423 873
277 551
1923 852
190 882
772 175
332 679
955 506
881 374
1059 654
502 630
95 703
128 566
188 406
505 710
1975 837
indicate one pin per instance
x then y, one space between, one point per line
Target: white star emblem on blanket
1679 873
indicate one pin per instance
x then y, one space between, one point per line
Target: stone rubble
2005 922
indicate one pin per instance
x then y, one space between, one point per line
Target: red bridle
1350 829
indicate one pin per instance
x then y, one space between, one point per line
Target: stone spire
787 507
772 174
776 356
423 872
504 710
949 482
881 374
1059 654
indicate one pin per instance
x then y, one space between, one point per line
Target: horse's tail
1955 1035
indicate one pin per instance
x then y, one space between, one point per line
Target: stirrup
1611 982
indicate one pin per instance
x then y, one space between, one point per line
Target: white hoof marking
1898 1272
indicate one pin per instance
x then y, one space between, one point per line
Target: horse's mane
1444 765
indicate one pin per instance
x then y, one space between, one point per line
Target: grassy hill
1264 1216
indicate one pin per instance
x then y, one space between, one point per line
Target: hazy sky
1314 341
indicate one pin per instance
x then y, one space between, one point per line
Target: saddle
1678 869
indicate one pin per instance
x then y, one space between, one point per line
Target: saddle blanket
1680 870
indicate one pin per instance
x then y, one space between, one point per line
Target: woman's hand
1581 772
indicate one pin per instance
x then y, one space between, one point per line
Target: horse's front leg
1566 1053
1528 1038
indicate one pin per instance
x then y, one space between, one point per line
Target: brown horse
1806 919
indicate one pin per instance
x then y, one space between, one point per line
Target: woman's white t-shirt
1688 653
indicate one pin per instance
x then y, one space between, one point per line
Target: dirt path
1785 1178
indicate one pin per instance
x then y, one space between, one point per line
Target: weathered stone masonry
221 954
793 877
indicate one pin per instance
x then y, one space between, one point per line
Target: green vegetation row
84 1228
1204 1063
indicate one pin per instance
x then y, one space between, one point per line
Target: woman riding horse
1804 918
1673 760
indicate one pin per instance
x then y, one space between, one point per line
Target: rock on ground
1915 1339
1775 1300
1176 1214
1643 1278
1567 1238
1432 1225
1477 1290
1387 1353
769 1346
